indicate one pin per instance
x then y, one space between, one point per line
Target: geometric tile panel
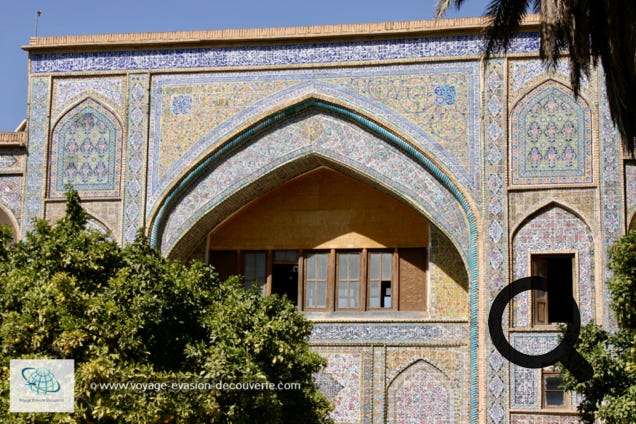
434 104
11 193
136 157
86 152
421 394
346 382
35 178
630 188
67 91
551 138
544 419
524 382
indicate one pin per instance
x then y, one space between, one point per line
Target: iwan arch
384 177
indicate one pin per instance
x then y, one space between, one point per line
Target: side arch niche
551 138
86 152
421 394
554 229
7 218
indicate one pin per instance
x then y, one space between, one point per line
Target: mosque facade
385 177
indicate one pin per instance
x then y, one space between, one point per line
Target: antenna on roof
37 18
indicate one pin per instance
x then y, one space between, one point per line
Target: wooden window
255 269
316 280
557 307
337 280
380 280
348 281
554 395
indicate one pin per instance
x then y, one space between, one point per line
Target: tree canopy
590 32
610 395
130 315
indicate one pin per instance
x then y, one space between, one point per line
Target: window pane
285 256
554 398
321 298
255 269
386 266
374 266
348 280
322 266
355 294
316 280
374 294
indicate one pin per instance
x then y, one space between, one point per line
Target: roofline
232 37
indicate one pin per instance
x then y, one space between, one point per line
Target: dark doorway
285 281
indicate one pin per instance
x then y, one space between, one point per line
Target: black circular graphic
564 352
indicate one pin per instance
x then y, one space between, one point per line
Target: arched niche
551 138
554 229
421 394
86 151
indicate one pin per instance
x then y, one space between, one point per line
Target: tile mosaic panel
448 279
527 72
423 333
67 91
495 228
630 188
544 419
551 138
554 230
611 187
583 201
11 162
136 160
525 382
337 139
346 382
191 114
272 55
36 163
421 392
11 194
86 151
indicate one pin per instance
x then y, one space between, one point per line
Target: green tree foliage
611 394
130 315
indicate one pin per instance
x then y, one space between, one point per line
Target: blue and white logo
42 385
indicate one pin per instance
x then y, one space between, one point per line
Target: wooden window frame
567 396
533 298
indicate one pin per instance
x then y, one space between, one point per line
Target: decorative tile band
36 162
424 333
292 54
135 181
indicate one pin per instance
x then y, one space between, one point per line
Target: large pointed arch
412 177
